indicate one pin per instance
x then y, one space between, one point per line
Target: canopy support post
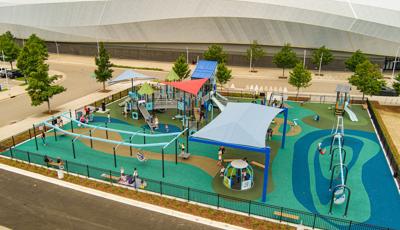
162 155
285 114
266 163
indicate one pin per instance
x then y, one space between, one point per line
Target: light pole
395 62
251 58
58 53
187 55
320 64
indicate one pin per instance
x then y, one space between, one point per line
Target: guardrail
249 207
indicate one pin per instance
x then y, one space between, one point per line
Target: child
320 149
109 117
43 138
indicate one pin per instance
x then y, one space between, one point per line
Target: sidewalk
13 129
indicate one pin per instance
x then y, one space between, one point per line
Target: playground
319 158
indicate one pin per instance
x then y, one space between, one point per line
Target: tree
103 71
396 85
40 86
32 55
326 55
254 52
215 53
367 78
9 48
223 75
286 58
300 77
357 58
181 68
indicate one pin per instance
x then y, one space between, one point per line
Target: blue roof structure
130 75
205 69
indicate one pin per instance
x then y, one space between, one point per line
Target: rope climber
321 150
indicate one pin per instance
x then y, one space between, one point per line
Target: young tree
223 75
9 47
357 58
40 86
254 52
215 53
321 56
103 71
286 58
181 68
396 85
300 77
367 78
32 55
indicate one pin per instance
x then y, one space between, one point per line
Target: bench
255 163
53 163
286 215
110 177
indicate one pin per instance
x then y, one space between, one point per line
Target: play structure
238 175
340 192
343 102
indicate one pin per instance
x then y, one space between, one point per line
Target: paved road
27 203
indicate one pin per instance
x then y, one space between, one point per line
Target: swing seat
141 157
340 200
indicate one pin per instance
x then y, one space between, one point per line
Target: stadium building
162 29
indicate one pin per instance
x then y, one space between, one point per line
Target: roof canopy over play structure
190 86
243 126
240 124
130 75
205 69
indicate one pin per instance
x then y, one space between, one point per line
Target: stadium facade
172 25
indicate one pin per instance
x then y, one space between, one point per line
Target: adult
43 137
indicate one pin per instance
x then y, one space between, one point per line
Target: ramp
146 115
352 115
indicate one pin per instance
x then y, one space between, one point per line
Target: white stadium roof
344 25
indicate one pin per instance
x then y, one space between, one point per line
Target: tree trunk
11 65
283 72
297 95
104 86
48 106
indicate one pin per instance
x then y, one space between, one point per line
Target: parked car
14 73
387 91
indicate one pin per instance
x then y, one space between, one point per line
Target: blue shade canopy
205 69
244 124
130 75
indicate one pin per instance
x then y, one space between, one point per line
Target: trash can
60 172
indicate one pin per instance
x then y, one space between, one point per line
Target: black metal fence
385 140
195 195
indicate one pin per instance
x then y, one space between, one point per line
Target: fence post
249 207
29 157
161 188
66 166
106 130
111 177
188 196
280 217
11 152
218 200
87 171
13 140
34 133
350 224
91 140
30 134
315 218
115 158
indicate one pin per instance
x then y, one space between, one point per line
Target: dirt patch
391 119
